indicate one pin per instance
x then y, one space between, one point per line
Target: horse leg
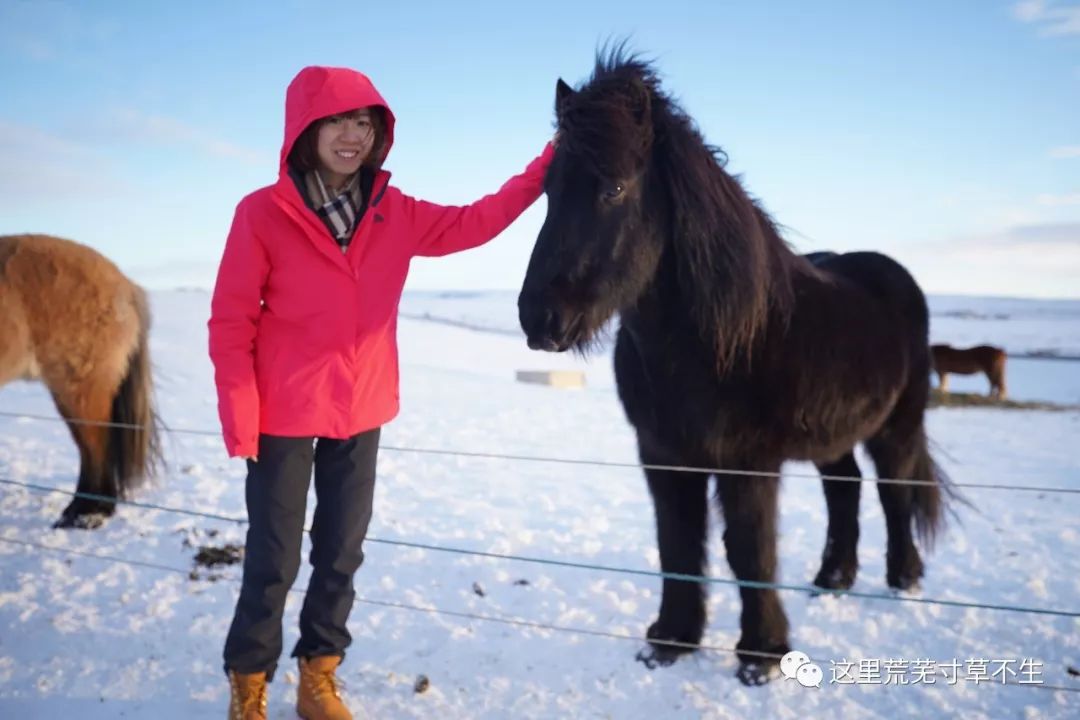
750 511
839 560
943 381
997 385
681 505
87 407
904 567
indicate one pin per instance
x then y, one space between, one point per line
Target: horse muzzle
548 328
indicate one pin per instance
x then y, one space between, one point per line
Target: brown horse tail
134 445
999 373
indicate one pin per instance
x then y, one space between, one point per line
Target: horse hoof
89 521
85 514
753 674
835 579
667 644
653 657
907 578
905 583
660 654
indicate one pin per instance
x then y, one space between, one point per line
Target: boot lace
322 683
246 698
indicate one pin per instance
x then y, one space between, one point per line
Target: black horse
732 351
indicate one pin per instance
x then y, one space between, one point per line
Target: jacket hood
317 92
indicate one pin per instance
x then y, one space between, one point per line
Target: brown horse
70 318
986 359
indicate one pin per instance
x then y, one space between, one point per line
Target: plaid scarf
340 213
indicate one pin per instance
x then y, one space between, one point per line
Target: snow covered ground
101 639
1020 326
1036 333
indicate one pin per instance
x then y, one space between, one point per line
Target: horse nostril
542 323
552 323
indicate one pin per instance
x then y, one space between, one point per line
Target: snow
101 639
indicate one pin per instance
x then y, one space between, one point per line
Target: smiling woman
303 339
341 144
326 160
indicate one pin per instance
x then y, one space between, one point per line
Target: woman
303 340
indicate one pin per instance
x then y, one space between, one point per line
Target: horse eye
614 192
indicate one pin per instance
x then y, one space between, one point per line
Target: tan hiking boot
318 697
248 699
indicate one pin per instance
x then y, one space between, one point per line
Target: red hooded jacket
303 337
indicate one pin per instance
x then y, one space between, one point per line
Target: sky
944 134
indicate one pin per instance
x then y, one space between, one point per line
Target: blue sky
945 134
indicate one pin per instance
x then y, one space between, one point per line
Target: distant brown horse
70 318
986 359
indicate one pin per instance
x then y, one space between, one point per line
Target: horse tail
932 492
931 495
134 445
998 380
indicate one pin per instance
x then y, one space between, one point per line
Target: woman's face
343 143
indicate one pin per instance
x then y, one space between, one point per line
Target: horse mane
734 269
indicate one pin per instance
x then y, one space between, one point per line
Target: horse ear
562 92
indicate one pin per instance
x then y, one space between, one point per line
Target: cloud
1065 151
1022 236
31 47
1028 10
1034 260
74 163
38 165
52 30
33 30
1051 248
1059 200
131 124
1052 18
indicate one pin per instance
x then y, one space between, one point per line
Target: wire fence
528 624
516 622
733 472
701 579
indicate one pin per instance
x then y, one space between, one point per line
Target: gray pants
276 492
